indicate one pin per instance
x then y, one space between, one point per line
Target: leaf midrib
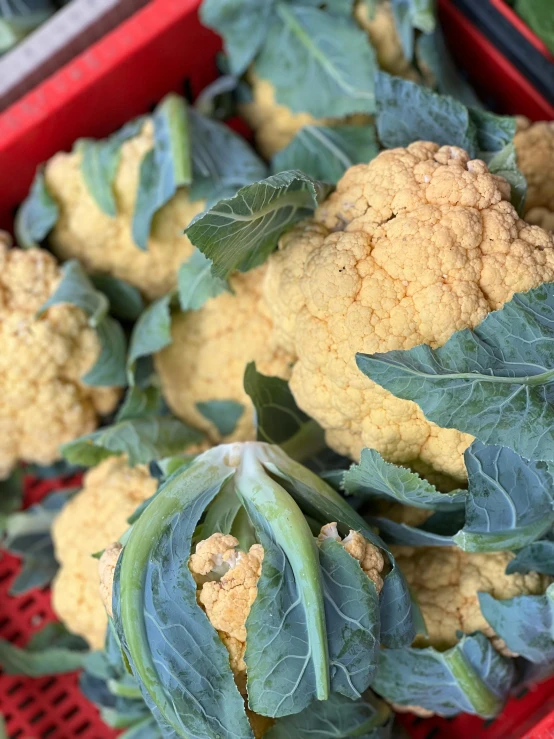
289 199
530 380
296 28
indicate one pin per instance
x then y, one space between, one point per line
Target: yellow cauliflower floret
43 402
90 522
417 244
534 144
209 352
104 244
368 555
384 38
228 599
445 582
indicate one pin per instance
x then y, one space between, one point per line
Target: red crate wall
493 76
162 48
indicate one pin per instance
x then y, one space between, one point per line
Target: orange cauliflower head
534 144
210 350
276 125
43 402
417 244
227 581
104 244
445 582
90 522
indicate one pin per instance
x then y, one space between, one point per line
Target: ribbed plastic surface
48 707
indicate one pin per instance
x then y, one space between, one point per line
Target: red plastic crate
163 48
522 27
54 706
493 76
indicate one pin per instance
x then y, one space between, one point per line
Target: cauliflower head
43 402
227 582
91 521
104 244
228 598
384 38
275 125
417 244
534 144
445 582
210 350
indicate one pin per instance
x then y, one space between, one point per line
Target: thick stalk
481 698
308 441
292 533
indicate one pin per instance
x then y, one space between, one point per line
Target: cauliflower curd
104 244
227 584
275 125
417 244
534 144
228 600
210 349
43 402
445 582
89 522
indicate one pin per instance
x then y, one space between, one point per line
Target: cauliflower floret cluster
228 599
104 244
106 572
43 402
227 582
417 244
91 521
275 125
534 144
445 582
209 352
